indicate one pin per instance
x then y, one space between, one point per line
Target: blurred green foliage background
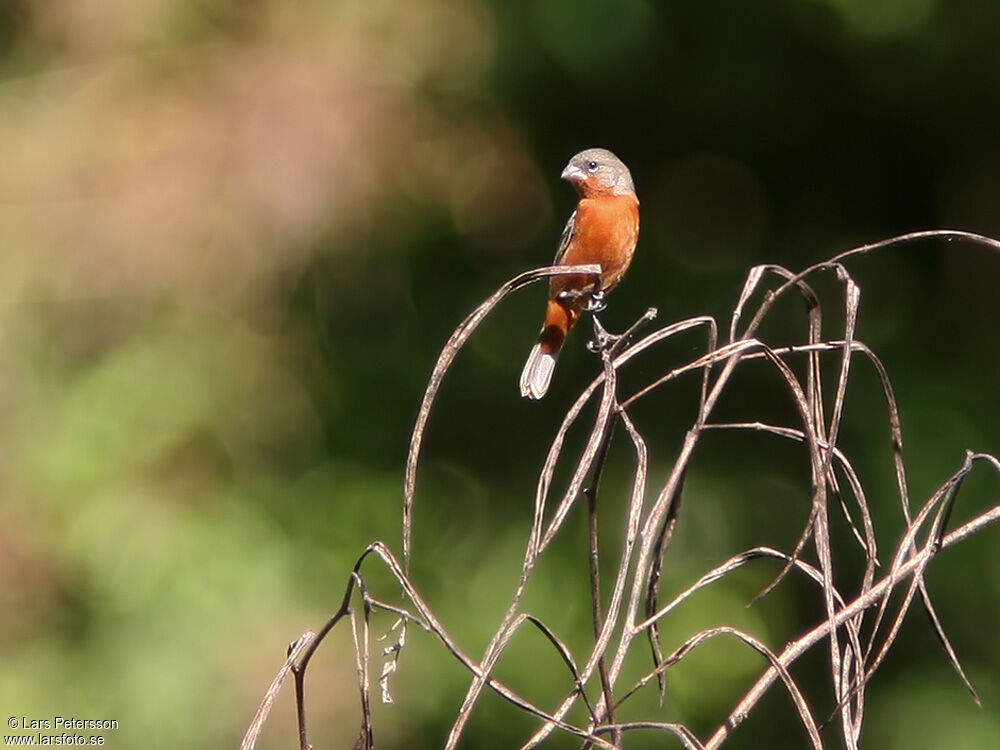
235 235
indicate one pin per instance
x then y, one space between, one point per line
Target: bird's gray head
598 171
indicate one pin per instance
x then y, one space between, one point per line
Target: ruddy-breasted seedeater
602 230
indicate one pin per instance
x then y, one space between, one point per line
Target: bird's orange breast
606 230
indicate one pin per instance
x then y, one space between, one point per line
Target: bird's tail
537 372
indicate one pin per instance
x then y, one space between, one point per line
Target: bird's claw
602 340
602 343
595 302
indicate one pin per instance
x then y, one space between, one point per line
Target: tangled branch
858 630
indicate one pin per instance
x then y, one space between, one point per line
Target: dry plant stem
714 575
897 445
302 662
795 649
807 409
721 571
428 621
681 732
655 518
664 543
819 476
896 435
945 234
494 648
868 542
818 524
564 652
851 730
631 534
635 505
366 740
696 640
596 444
447 356
306 647
839 672
943 501
445 359
648 529
652 587
294 653
855 651
797 698
667 494
790 653
897 442
592 519
594 568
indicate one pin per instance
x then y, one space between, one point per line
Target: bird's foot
595 302
612 343
593 299
602 339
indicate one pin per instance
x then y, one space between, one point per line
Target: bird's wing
567 236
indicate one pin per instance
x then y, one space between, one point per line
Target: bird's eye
592 166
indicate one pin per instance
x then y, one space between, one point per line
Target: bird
602 230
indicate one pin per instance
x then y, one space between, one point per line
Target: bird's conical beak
573 173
